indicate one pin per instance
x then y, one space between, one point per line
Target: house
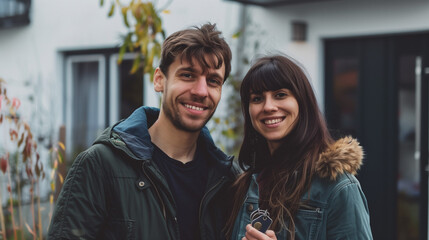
60 59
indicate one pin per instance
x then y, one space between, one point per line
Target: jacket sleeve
348 214
81 206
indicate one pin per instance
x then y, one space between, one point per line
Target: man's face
190 96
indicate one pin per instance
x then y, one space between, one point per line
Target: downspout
239 59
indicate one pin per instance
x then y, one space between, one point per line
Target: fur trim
345 155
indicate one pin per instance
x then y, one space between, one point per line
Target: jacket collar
134 131
136 141
345 155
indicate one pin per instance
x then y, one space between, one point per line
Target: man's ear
158 80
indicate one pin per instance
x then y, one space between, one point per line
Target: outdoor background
61 85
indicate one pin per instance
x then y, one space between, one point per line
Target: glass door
410 54
408 185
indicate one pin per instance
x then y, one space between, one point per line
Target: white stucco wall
335 19
29 59
31 63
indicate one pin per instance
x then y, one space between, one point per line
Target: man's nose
200 89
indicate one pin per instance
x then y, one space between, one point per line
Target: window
98 93
14 13
85 100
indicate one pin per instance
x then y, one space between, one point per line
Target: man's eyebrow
189 69
193 70
215 74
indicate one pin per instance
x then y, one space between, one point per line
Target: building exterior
368 61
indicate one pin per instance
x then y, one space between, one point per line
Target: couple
158 174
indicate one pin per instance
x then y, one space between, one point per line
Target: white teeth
194 107
273 121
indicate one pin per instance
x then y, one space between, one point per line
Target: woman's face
273 114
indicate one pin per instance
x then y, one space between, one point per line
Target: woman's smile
273 122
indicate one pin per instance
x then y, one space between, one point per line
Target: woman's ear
158 80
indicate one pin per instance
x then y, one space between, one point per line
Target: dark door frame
384 49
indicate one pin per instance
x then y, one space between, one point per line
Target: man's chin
191 127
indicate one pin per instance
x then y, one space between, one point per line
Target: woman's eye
255 99
281 94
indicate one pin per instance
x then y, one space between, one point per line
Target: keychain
260 219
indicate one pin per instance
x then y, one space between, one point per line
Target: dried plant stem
12 214
51 208
39 212
3 226
21 222
32 208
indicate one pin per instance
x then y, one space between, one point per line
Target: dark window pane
409 165
85 105
345 90
131 89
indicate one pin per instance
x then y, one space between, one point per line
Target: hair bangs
268 77
203 57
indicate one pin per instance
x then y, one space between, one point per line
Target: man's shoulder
98 151
102 158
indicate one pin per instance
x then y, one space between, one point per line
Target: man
157 174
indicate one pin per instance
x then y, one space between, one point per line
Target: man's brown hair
195 44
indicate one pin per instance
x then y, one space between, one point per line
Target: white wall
29 56
31 63
335 19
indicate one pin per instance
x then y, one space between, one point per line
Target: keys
260 219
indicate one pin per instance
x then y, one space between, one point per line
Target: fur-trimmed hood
345 155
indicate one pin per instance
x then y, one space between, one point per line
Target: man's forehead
193 61
199 65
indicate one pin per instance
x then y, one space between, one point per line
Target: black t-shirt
187 183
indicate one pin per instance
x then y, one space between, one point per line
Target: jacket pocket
120 229
308 222
243 218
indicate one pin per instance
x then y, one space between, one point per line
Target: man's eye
214 82
186 75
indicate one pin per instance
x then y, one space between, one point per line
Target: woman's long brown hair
287 173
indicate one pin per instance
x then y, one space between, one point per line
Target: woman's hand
253 234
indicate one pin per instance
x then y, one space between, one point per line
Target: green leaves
144 31
237 34
112 9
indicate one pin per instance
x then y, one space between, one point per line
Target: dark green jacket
115 191
333 208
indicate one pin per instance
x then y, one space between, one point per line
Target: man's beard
178 122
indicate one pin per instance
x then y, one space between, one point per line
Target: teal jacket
335 206
114 190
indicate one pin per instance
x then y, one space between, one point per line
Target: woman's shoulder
343 156
336 168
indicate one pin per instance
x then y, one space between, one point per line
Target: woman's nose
269 105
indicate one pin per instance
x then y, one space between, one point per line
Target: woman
292 166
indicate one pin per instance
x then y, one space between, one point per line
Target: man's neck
177 144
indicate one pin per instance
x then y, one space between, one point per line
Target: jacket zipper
157 192
310 208
205 195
